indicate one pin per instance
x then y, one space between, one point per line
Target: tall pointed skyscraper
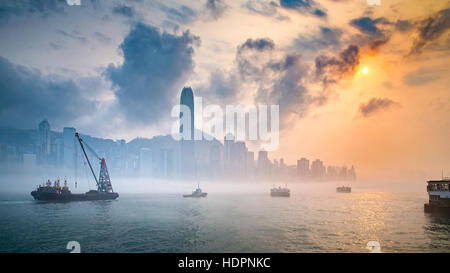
187 98
187 166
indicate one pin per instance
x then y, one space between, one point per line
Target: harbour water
308 221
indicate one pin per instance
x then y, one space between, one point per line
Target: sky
357 84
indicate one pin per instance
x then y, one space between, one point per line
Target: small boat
196 193
280 192
439 196
344 189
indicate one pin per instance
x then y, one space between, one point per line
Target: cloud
282 79
268 9
431 29
28 7
330 69
288 89
102 37
222 87
183 15
257 44
75 35
216 8
375 105
28 97
123 10
420 77
324 38
250 61
304 6
155 68
369 26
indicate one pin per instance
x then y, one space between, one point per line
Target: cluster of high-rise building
317 171
159 157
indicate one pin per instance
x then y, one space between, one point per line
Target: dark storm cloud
257 44
304 6
325 38
248 60
222 87
287 88
216 8
431 29
369 26
26 97
268 9
282 80
403 25
155 68
375 105
329 69
124 11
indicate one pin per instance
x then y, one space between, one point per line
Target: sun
365 70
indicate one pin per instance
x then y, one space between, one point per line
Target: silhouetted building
70 148
44 145
188 168
264 165
145 162
303 167
351 174
317 169
187 99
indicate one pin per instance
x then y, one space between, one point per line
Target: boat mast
85 155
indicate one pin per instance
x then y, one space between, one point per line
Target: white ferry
439 196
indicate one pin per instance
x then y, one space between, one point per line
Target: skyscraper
187 99
70 148
188 164
317 169
44 142
303 167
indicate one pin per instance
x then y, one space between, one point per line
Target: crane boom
104 181
85 155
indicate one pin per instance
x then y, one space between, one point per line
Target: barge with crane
56 193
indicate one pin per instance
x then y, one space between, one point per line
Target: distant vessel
196 193
344 189
281 192
439 196
56 193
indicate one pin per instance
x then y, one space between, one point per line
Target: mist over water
152 216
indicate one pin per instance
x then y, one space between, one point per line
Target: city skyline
357 83
170 159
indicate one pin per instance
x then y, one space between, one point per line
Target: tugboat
439 196
280 192
344 189
196 193
55 193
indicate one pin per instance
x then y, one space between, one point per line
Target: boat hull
433 208
69 197
280 194
196 195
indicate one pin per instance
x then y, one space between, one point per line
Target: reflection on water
305 222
